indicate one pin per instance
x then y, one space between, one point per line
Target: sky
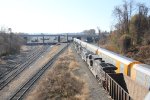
58 16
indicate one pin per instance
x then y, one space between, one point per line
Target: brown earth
140 53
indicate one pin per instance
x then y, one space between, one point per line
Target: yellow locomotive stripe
118 66
133 74
97 52
127 68
130 67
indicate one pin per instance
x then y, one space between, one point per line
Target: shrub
144 52
10 43
112 47
146 38
125 42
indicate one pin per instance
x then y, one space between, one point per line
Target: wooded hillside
131 34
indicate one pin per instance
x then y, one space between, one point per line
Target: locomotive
117 63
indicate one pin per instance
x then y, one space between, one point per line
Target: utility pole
99 32
42 37
10 38
67 37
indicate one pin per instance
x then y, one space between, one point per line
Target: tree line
131 33
10 42
132 27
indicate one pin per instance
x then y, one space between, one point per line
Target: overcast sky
58 16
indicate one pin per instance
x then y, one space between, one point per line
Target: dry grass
143 54
111 47
60 83
73 65
139 53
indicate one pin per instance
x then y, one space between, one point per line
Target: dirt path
68 79
13 86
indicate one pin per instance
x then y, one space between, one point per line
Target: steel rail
22 91
20 69
28 57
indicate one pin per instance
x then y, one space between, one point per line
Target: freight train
119 64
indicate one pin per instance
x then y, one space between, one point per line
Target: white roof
143 68
113 55
116 56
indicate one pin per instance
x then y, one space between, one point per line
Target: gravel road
96 92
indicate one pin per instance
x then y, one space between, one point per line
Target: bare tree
123 13
118 14
9 42
142 21
99 32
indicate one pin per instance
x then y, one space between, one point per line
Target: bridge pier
59 38
43 39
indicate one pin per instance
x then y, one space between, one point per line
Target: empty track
32 57
36 50
21 92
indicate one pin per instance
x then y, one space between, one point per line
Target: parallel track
20 68
22 91
28 57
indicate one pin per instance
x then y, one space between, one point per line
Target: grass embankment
140 53
59 83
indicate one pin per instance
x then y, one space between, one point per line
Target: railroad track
28 57
7 79
22 91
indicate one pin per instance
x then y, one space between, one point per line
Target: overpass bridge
69 35
34 39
